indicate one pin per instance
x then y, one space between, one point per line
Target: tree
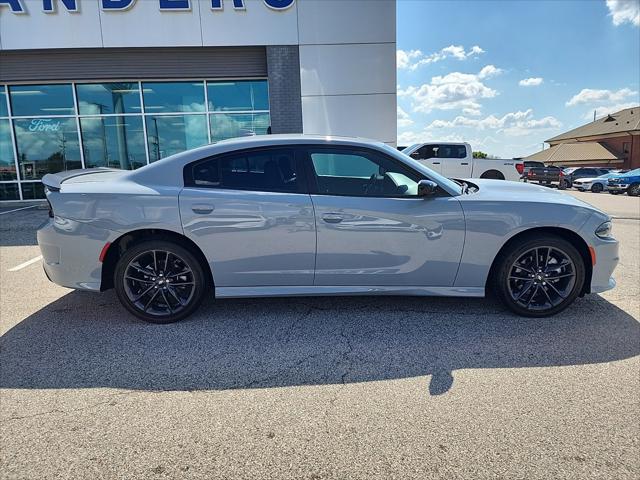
479 155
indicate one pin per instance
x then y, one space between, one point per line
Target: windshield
568 171
446 183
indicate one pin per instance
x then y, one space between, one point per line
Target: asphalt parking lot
317 388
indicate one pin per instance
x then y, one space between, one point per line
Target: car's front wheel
539 276
634 190
597 188
159 281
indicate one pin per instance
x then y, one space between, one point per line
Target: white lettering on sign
44 125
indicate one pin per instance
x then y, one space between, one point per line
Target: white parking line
26 264
18 209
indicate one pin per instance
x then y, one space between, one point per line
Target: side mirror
427 188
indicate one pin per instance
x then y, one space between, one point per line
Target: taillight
561 174
520 168
530 174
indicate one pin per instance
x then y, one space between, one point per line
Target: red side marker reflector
103 252
592 251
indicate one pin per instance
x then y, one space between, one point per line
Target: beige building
611 141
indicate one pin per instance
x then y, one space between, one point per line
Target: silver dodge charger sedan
303 215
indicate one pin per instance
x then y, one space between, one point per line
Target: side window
589 172
361 173
426 152
267 171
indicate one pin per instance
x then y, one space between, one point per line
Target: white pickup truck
455 160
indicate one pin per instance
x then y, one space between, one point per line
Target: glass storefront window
32 190
46 145
32 100
116 142
9 191
243 95
169 97
4 111
7 163
228 125
107 98
170 134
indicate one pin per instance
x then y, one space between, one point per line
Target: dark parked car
545 175
528 165
573 173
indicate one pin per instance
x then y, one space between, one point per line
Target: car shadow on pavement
86 340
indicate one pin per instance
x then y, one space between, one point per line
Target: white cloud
455 90
403 118
624 11
601 111
489 71
473 112
513 123
588 96
413 59
530 82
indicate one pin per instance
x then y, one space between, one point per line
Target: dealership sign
73 6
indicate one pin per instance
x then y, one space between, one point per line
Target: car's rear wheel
634 190
597 188
540 276
159 281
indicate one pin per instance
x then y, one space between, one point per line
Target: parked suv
528 165
573 173
626 182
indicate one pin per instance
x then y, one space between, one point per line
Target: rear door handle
464 163
436 163
202 208
331 218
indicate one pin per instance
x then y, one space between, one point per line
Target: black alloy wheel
159 281
540 277
597 188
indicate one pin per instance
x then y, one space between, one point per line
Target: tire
633 190
597 188
148 273
512 279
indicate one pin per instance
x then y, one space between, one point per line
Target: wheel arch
126 240
493 174
569 235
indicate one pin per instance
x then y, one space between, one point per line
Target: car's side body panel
252 238
388 241
495 215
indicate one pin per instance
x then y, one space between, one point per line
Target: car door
373 229
455 161
251 215
428 155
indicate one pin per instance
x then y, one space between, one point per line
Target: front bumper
70 252
617 187
607 258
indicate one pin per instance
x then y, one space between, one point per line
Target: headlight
604 230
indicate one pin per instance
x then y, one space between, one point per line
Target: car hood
504 191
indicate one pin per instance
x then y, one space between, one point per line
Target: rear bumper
70 252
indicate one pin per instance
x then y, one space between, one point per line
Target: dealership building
122 83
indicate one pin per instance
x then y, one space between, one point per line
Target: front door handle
436 163
464 163
331 218
202 208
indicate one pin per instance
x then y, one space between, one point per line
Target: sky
507 75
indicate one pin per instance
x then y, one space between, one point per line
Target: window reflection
4 111
7 163
46 145
170 134
108 98
9 191
243 95
31 100
32 190
116 142
229 125
165 97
